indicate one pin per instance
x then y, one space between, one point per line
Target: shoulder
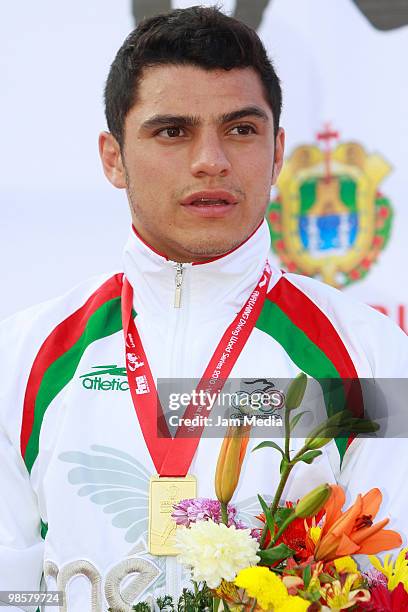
377 346
34 324
31 340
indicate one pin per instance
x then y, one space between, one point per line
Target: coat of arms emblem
329 219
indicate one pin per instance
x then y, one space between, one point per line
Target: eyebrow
247 111
158 121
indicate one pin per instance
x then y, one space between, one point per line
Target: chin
213 248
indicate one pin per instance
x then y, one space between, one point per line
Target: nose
209 157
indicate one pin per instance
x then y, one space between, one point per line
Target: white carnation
214 552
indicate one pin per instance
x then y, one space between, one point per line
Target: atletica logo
103 378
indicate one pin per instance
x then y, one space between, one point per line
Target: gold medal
164 493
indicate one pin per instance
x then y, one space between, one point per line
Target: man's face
198 159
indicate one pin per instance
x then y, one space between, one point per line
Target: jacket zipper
179 283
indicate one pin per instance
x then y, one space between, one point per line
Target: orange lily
229 462
353 531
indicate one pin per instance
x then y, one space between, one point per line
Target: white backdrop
62 221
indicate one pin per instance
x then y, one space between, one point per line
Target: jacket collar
224 282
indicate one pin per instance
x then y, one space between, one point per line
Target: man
193 107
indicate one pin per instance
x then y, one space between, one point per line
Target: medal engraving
164 493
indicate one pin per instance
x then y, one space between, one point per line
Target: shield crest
329 219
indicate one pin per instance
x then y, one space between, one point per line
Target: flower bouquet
301 556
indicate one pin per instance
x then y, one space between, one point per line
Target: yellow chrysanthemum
293 604
269 591
395 572
263 585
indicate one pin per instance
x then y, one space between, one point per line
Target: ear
111 157
279 154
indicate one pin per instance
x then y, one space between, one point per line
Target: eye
243 129
171 132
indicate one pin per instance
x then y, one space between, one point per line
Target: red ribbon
173 456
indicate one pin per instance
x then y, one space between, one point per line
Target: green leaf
309 456
314 595
269 444
307 574
216 604
165 603
277 553
282 514
268 516
296 420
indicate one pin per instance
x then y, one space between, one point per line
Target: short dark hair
197 36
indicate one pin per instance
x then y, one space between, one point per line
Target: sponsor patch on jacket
105 378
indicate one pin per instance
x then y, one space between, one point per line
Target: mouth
215 204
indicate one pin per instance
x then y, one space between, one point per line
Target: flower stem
283 479
287 434
224 513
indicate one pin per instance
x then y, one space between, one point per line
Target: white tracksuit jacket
73 458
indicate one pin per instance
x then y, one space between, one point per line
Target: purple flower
375 578
190 511
256 533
